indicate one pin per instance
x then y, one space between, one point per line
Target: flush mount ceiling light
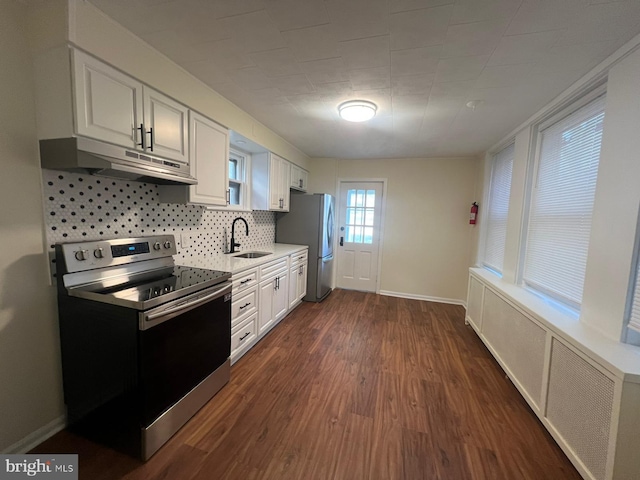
357 110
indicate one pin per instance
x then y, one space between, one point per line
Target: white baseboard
40 435
411 296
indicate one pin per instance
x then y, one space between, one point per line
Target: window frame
244 164
565 110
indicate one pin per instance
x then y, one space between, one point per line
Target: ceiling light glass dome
357 110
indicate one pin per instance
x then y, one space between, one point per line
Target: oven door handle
149 320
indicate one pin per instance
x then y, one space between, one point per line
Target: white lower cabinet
273 298
297 279
243 337
264 295
244 313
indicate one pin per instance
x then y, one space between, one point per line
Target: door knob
342 241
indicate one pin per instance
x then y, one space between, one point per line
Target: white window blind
634 319
562 204
498 208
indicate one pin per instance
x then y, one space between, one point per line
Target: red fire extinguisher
474 213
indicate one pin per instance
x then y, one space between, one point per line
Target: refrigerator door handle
327 259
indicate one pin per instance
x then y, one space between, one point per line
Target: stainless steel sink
252 254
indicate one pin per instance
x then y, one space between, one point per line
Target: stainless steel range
145 343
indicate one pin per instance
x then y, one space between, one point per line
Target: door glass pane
360 214
351 216
368 234
349 234
371 198
357 234
368 217
351 198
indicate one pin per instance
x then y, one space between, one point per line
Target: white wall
30 377
617 199
428 242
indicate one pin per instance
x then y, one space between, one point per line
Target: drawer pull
245 281
244 336
245 306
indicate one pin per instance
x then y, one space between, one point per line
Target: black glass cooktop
148 289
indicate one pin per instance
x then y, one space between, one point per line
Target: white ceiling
289 63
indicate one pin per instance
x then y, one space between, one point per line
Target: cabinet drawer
245 334
243 305
271 269
244 281
299 257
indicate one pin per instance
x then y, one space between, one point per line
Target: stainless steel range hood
91 156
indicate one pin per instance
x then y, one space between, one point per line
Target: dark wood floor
358 387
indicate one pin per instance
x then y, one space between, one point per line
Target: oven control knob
156 246
167 244
98 253
81 255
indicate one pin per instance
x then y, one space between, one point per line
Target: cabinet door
281 298
302 281
265 305
294 179
165 121
275 196
293 286
304 180
108 103
208 161
285 174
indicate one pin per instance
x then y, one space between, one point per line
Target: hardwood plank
360 386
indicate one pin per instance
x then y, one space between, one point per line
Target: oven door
180 344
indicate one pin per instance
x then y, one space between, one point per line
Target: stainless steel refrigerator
310 221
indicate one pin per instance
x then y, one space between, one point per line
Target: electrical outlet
186 240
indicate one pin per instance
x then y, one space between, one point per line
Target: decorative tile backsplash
82 207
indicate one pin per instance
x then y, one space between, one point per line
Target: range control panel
81 256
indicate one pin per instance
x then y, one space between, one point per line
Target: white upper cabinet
165 122
108 104
270 182
209 161
113 107
299 178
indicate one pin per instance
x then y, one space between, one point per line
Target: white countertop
230 263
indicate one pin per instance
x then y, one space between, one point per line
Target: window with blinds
498 208
562 203
634 316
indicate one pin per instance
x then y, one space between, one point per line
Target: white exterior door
360 213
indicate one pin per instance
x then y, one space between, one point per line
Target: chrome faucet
233 233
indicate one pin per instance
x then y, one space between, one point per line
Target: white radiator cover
591 411
579 391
